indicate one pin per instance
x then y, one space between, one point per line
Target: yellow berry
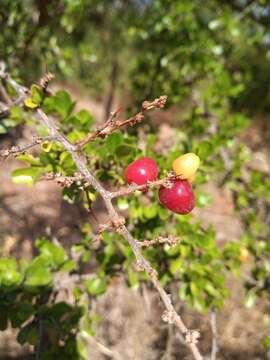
192 178
185 166
244 254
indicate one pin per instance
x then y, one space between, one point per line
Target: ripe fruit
185 166
244 254
142 170
191 179
179 198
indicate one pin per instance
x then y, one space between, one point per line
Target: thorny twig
166 182
21 90
170 240
113 123
170 315
67 181
64 181
16 150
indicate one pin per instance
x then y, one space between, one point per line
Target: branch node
5 153
137 119
64 181
153 274
168 317
158 103
103 227
171 240
118 224
139 266
192 337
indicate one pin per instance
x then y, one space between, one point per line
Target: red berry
142 170
179 198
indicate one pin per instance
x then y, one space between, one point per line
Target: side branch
113 123
64 181
16 150
170 240
166 182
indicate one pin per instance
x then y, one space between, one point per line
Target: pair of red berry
179 198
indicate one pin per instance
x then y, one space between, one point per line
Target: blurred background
212 59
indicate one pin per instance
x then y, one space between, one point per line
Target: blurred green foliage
213 63
55 328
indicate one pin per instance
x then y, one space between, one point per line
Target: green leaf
124 151
55 252
122 204
184 250
37 94
204 149
42 261
82 345
60 103
114 141
85 118
30 103
86 256
16 113
183 291
59 310
175 265
133 277
96 286
7 264
28 334
46 146
66 160
10 123
3 129
199 303
3 321
266 342
211 290
38 276
203 199
69 265
21 312
250 299
197 267
10 277
150 211
25 175
195 291
30 159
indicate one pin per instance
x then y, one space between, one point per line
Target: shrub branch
113 123
170 240
118 223
17 150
